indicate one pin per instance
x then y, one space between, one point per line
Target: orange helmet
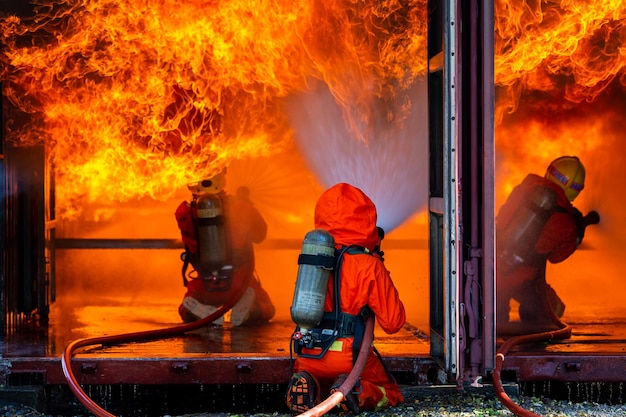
568 173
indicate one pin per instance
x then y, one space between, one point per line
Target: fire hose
128 338
335 398
563 332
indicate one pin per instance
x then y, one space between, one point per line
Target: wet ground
70 320
598 334
593 332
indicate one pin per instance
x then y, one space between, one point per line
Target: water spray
387 159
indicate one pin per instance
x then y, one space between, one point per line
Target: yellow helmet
568 173
213 185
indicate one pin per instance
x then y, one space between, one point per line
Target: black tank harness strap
183 257
187 255
325 261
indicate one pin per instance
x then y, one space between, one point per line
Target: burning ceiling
124 92
136 98
556 63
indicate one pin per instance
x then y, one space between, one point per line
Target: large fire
134 99
137 98
552 59
560 84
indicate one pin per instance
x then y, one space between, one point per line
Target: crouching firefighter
339 284
218 231
537 224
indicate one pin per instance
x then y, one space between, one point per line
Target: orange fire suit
245 226
350 217
526 281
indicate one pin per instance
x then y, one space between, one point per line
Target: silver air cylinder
517 240
315 264
212 244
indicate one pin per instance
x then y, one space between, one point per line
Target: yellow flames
136 98
559 76
574 48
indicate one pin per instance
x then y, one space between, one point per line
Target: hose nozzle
592 218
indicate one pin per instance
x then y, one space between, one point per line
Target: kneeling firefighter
538 224
330 308
218 231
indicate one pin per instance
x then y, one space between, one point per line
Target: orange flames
574 49
560 78
136 98
556 64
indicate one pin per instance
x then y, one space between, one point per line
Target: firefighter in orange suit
239 225
365 285
538 224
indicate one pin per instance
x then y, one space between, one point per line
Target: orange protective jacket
350 217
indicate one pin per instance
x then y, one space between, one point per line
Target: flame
560 78
571 50
556 63
137 98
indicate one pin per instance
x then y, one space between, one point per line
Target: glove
592 218
583 221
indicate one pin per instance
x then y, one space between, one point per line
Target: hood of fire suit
348 215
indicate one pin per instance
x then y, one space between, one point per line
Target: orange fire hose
128 338
564 332
338 396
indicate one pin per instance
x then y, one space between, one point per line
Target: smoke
387 158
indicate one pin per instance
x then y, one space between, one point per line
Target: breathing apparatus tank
517 239
315 264
213 249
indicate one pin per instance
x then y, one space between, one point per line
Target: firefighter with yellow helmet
538 224
219 231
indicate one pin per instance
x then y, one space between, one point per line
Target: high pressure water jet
387 159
